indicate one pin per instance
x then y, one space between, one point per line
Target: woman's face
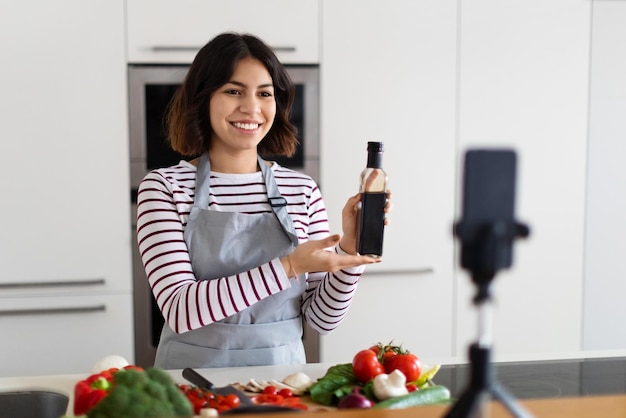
242 110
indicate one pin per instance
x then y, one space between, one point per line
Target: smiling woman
150 90
237 250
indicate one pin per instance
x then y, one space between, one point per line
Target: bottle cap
375 147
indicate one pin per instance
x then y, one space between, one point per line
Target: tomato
411 387
270 390
266 398
366 365
231 400
407 363
389 352
286 393
202 398
280 400
294 402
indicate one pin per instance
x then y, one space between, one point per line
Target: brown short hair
187 117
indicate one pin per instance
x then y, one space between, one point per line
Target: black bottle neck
374 160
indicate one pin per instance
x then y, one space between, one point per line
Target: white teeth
248 126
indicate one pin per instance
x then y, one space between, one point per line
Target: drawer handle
183 48
423 270
48 311
60 283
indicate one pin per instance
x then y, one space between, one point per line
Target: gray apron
225 243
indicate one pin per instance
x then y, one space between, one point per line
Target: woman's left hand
349 219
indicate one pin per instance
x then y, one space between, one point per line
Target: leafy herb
338 381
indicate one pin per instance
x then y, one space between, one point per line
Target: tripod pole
485 336
483 387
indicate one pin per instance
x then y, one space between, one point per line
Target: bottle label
371 225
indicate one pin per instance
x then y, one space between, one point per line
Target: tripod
484 252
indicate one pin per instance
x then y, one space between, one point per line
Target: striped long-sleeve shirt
164 201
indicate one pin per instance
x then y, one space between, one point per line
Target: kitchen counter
563 388
219 376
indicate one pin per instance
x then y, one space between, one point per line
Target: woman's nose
250 105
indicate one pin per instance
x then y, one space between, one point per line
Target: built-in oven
150 90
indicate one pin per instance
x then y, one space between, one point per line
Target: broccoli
142 394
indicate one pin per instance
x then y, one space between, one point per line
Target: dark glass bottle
373 189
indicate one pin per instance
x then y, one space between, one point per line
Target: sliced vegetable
428 396
279 400
270 390
205 399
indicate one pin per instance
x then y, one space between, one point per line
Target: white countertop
219 376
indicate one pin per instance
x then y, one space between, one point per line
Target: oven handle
189 48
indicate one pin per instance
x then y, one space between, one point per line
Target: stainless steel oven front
150 90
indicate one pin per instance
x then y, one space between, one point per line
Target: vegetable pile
382 376
130 392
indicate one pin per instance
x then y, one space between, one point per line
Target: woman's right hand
313 256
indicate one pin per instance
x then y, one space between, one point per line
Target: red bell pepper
90 391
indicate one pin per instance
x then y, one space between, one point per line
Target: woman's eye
233 92
265 94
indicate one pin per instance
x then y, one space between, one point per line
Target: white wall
605 246
524 70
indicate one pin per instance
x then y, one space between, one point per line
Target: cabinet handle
48 311
188 48
60 283
423 270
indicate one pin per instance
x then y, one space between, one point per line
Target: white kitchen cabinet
432 81
62 334
605 271
387 74
523 83
66 203
172 31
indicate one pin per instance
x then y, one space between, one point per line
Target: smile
247 126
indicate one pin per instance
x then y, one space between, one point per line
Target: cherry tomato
231 400
407 363
294 402
270 390
366 365
201 398
286 393
266 398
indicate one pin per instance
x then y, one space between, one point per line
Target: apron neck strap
276 201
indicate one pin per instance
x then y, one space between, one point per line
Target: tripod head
487 228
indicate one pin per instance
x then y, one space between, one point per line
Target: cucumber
436 394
